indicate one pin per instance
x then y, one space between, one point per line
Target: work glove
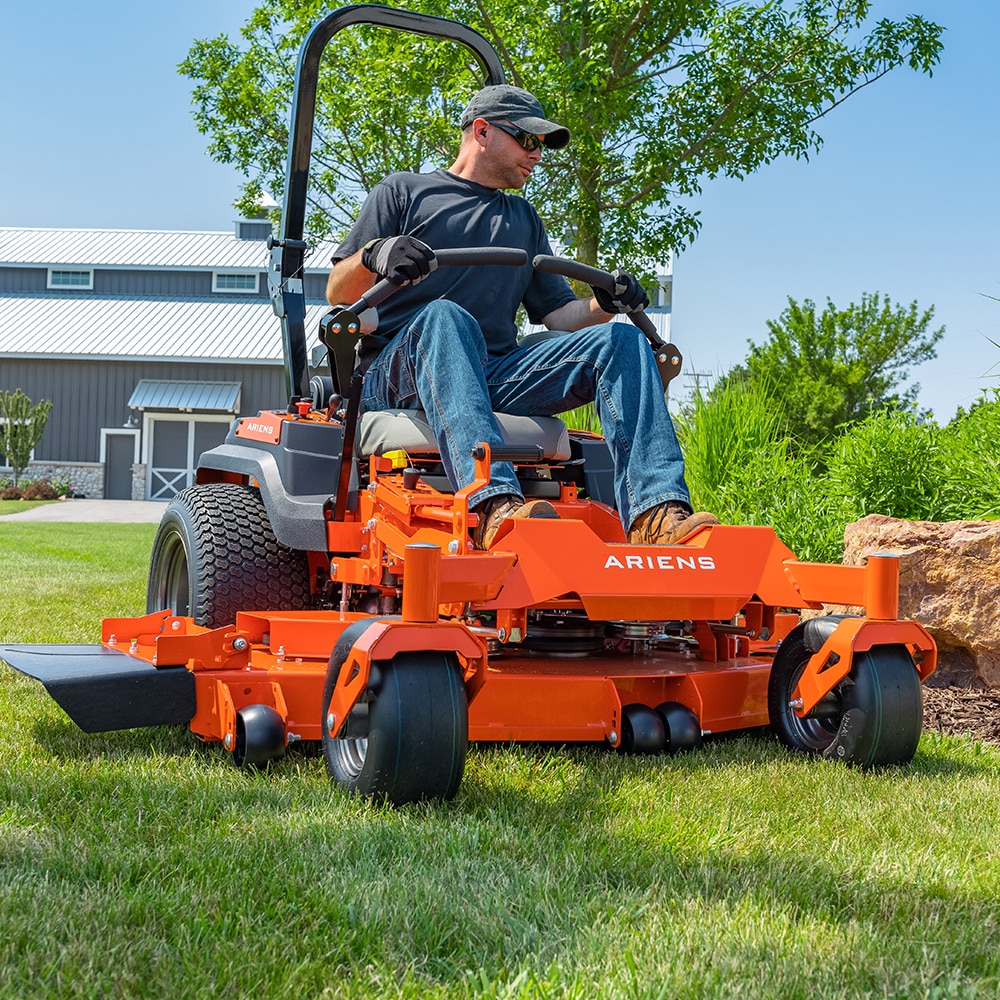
629 296
401 259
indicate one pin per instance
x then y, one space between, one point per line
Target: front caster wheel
873 717
408 741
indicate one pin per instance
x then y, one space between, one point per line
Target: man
449 345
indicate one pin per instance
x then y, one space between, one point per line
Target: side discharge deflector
101 689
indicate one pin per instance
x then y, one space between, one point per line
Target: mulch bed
963 710
958 703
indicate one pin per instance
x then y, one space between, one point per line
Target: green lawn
16 506
142 864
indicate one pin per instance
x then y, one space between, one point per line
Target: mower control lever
668 358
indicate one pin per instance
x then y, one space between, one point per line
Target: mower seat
380 431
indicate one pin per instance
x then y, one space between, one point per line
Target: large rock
949 581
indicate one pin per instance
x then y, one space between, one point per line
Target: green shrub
971 477
787 495
35 489
739 466
583 418
40 489
889 463
720 434
62 485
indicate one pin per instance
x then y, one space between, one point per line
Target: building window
230 281
65 278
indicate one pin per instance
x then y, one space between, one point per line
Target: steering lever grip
510 453
668 357
602 279
462 257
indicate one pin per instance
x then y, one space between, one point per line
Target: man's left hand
629 296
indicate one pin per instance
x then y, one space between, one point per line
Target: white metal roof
140 248
137 328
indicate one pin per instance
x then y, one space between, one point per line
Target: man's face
511 162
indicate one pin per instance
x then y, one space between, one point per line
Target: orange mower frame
297 593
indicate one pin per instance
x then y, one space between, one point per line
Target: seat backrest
380 431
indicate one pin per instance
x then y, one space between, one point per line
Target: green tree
21 427
660 97
829 369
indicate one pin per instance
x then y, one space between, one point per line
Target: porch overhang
166 395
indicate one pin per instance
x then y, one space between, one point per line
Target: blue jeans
439 364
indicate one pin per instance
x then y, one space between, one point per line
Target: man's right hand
401 259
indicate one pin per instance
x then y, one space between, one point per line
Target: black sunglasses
526 140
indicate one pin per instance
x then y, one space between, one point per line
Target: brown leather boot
496 510
667 524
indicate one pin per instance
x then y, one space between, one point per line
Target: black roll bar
284 277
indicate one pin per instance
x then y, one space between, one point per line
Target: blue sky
903 198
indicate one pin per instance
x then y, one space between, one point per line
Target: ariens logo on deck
660 562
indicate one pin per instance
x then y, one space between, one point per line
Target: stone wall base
139 482
85 477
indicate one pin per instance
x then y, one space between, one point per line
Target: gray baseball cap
517 106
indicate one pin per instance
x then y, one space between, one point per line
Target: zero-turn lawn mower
318 583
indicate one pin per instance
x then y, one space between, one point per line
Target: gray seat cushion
388 430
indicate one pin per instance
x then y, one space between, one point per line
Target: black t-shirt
447 212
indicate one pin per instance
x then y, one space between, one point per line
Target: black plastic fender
298 477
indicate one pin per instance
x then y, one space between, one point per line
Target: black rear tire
215 554
408 742
872 718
